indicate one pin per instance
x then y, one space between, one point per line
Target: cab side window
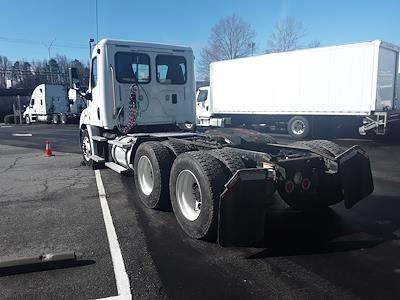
93 76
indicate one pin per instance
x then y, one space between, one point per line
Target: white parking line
22 134
121 277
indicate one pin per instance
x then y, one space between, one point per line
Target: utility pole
51 73
97 23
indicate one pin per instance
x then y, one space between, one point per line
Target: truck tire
86 148
178 148
152 167
196 183
27 119
9 119
230 159
332 147
321 146
298 127
269 139
55 119
312 145
63 119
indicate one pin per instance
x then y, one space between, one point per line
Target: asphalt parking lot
52 204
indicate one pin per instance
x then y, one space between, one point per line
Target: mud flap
243 206
355 175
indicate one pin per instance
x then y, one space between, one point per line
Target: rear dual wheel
63 119
193 183
152 165
196 183
55 119
328 191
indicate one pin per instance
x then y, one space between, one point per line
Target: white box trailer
302 87
50 103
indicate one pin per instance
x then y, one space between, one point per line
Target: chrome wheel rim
145 175
298 127
86 148
188 194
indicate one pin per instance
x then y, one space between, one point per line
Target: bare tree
4 67
314 44
230 38
286 36
28 75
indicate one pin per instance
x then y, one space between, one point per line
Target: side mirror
88 96
74 80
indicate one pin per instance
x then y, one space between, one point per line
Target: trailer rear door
387 69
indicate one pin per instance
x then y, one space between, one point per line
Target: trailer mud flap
355 175
243 206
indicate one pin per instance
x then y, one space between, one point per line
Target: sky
31 28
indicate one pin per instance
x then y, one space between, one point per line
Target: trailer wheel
9 119
63 119
230 159
86 148
55 119
178 148
27 119
152 165
196 183
298 127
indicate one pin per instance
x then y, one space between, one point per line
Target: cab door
93 109
386 85
203 103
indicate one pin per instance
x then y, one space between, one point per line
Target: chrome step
97 158
99 138
117 168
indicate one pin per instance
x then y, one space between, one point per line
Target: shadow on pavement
44 267
290 233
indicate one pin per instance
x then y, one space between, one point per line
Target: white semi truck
306 89
139 119
50 103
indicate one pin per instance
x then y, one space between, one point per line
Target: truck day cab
50 103
339 86
139 119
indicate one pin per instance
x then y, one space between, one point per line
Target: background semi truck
349 84
141 108
50 103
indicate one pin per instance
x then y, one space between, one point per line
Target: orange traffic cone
48 151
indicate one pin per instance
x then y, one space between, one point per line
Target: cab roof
125 43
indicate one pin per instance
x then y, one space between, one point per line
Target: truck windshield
202 96
130 67
171 69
